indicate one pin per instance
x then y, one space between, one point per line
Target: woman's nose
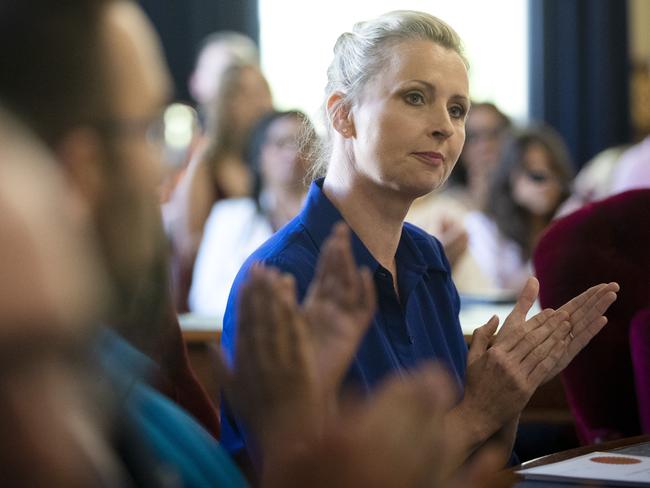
442 125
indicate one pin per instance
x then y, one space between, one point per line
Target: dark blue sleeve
231 438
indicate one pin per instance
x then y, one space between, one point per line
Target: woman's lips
431 158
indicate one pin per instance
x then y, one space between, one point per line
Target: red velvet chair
640 348
608 383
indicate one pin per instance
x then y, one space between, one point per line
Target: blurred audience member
594 181
106 87
614 170
533 179
486 130
633 169
278 153
218 169
52 288
218 51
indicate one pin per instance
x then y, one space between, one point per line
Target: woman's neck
375 214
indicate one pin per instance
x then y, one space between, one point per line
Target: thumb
481 339
525 301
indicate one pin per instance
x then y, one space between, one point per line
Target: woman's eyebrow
432 89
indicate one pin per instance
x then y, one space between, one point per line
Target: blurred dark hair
223 135
258 137
505 120
458 176
50 54
512 220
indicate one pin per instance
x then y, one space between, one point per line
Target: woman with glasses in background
278 153
532 180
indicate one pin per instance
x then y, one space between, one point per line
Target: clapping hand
505 370
502 377
338 307
585 314
290 360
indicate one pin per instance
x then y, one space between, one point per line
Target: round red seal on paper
614 460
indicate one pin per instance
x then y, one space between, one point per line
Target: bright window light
296 39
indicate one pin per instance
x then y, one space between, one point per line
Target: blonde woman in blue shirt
396 102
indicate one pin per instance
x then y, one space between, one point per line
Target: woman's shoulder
290 250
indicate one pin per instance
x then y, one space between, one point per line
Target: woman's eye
457 112
415 98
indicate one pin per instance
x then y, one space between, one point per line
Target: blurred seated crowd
105 240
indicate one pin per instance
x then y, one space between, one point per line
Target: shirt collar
420 249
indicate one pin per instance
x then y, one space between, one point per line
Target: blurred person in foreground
106 87
52 289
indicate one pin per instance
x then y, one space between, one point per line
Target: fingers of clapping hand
573 305
549 347
587 309
417 403
368 296
431 388
324 283
336 274
431 393
481 339
219 364
548 366
338 279
547 326
269 333
517 317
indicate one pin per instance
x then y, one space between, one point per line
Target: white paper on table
616 469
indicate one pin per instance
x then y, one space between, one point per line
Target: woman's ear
340 116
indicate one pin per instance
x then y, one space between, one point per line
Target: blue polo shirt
422 325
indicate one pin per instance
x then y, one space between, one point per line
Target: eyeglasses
473 136
152 128
170 131
538 176
284 143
